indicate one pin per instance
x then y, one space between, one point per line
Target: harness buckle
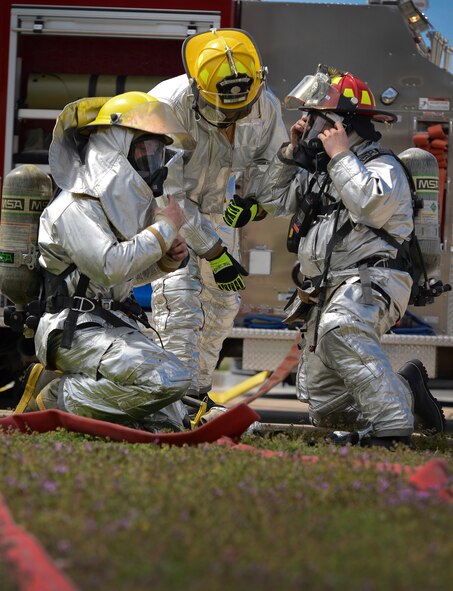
79 307
106 304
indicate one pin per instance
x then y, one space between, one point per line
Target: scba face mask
147 157
310 153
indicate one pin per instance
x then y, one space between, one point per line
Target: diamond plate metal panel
400 354
265 349
264 354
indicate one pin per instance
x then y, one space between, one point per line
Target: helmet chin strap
354 138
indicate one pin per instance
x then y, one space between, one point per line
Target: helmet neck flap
90 147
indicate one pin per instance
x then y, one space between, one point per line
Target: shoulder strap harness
79 303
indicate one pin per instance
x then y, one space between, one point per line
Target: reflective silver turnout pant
119 375
349 378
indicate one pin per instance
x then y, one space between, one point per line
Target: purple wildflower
49 486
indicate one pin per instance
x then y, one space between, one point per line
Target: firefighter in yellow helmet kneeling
352 219
224 102
102 234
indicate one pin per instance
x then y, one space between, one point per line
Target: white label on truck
433 104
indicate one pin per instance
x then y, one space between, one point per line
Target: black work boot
427 410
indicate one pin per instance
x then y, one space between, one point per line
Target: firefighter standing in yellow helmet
353 215
223 101
101 235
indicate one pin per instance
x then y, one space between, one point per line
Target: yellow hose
238 389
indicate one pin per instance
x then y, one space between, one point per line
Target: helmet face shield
157 117
313 92
141 111
212 110
215 115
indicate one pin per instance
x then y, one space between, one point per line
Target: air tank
26 192
54 91
423 167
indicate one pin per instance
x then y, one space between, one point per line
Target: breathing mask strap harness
308 208
337 236
71 319
403 260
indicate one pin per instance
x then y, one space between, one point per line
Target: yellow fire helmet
224 68
141 111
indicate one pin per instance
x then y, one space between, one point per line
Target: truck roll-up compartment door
95 22
55 50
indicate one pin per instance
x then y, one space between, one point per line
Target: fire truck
57 51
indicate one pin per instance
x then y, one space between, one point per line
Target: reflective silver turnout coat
348 375
192 315
104 222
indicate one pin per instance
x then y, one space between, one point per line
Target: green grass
117 517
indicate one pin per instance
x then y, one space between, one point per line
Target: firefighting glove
227 272
242 211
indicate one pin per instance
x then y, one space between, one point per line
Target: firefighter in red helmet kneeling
353 218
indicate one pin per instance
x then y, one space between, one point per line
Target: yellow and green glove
227 272
242 211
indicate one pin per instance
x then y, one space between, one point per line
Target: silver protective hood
97 165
